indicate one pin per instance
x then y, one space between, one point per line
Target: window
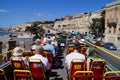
114 30
110 16
109 31
115 14
118 38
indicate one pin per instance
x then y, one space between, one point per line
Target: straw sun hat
17 51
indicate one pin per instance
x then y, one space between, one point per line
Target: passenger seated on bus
18 52
76 40
55 47
74 54
44 60
50 47
43 43
91 55
37 42
69 39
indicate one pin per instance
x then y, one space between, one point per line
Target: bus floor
59 70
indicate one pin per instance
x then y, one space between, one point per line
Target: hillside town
81 22
82 46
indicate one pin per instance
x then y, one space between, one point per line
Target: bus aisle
59 72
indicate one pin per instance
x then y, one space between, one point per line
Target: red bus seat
37 68
112 75
70 49
22 75
83 45
27 54
33 51
2 75
83 75
48 55
76 65
98 67
83 50
18 63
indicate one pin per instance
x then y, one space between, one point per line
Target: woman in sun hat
18 53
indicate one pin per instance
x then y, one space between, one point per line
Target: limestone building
112 22
78 22
21 27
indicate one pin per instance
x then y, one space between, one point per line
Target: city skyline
20 11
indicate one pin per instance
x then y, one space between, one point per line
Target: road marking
110 53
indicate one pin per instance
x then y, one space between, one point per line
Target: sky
15 12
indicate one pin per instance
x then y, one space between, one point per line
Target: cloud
38 14
3 10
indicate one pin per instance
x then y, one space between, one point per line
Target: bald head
39 49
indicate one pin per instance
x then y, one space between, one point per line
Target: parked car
110 46
99 43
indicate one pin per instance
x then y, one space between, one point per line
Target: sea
4 33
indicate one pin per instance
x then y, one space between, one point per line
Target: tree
35 29
103 22
97 26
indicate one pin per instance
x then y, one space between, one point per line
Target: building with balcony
112 22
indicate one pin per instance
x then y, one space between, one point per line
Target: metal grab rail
111 75
5 53
5 58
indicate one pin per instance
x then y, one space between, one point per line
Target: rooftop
116 2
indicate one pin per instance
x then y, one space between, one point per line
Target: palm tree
35 29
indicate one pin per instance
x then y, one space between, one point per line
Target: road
59 73
111 60
112 57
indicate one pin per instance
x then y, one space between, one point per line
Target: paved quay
27 39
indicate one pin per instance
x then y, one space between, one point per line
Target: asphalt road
59 73
112 57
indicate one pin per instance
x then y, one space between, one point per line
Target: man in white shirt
72 55
76 54
44 60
